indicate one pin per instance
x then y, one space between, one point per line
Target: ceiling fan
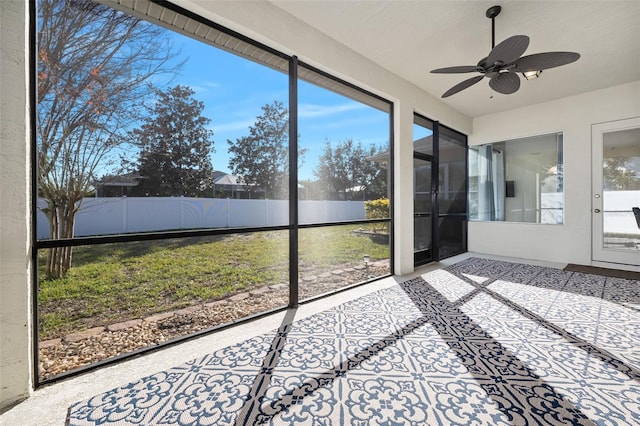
505 60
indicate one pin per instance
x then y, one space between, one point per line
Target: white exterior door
615 193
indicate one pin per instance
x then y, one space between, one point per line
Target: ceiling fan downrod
492 12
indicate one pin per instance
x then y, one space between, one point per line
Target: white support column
403 191
15 209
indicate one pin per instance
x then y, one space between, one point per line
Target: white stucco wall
15 353
571 241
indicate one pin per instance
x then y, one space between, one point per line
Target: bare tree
94 64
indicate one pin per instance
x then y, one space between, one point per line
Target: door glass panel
621 190
422 208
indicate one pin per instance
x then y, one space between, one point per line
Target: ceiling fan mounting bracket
493 11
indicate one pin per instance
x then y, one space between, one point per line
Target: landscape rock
81 335
122 325
239 297
188 310
50 343
159 317
259 291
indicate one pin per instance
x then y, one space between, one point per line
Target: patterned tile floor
480 342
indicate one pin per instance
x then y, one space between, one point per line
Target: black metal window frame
293 226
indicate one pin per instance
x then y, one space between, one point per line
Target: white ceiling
410 38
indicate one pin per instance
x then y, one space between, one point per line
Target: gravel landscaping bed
75 350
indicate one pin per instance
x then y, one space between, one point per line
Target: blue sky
234 89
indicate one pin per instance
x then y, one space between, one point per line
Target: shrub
377 209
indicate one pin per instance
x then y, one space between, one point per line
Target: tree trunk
61 217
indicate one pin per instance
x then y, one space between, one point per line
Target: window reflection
519 180
621 190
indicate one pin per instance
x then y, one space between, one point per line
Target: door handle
596 210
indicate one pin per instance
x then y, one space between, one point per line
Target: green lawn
116 282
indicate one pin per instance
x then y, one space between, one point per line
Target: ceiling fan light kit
531 75
504 62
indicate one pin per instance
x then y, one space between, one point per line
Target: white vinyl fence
617 214
106 216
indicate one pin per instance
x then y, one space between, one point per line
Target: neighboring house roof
421 145
127 179
228 180
424 145
217 174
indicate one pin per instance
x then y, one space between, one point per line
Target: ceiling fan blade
457 70
462 85
543 61
505 83
508 50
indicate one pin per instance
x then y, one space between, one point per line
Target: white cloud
352 123
204 87
314 110
232 126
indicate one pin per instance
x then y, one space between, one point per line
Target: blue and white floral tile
480 343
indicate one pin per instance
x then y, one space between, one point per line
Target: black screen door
422 208
439 191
